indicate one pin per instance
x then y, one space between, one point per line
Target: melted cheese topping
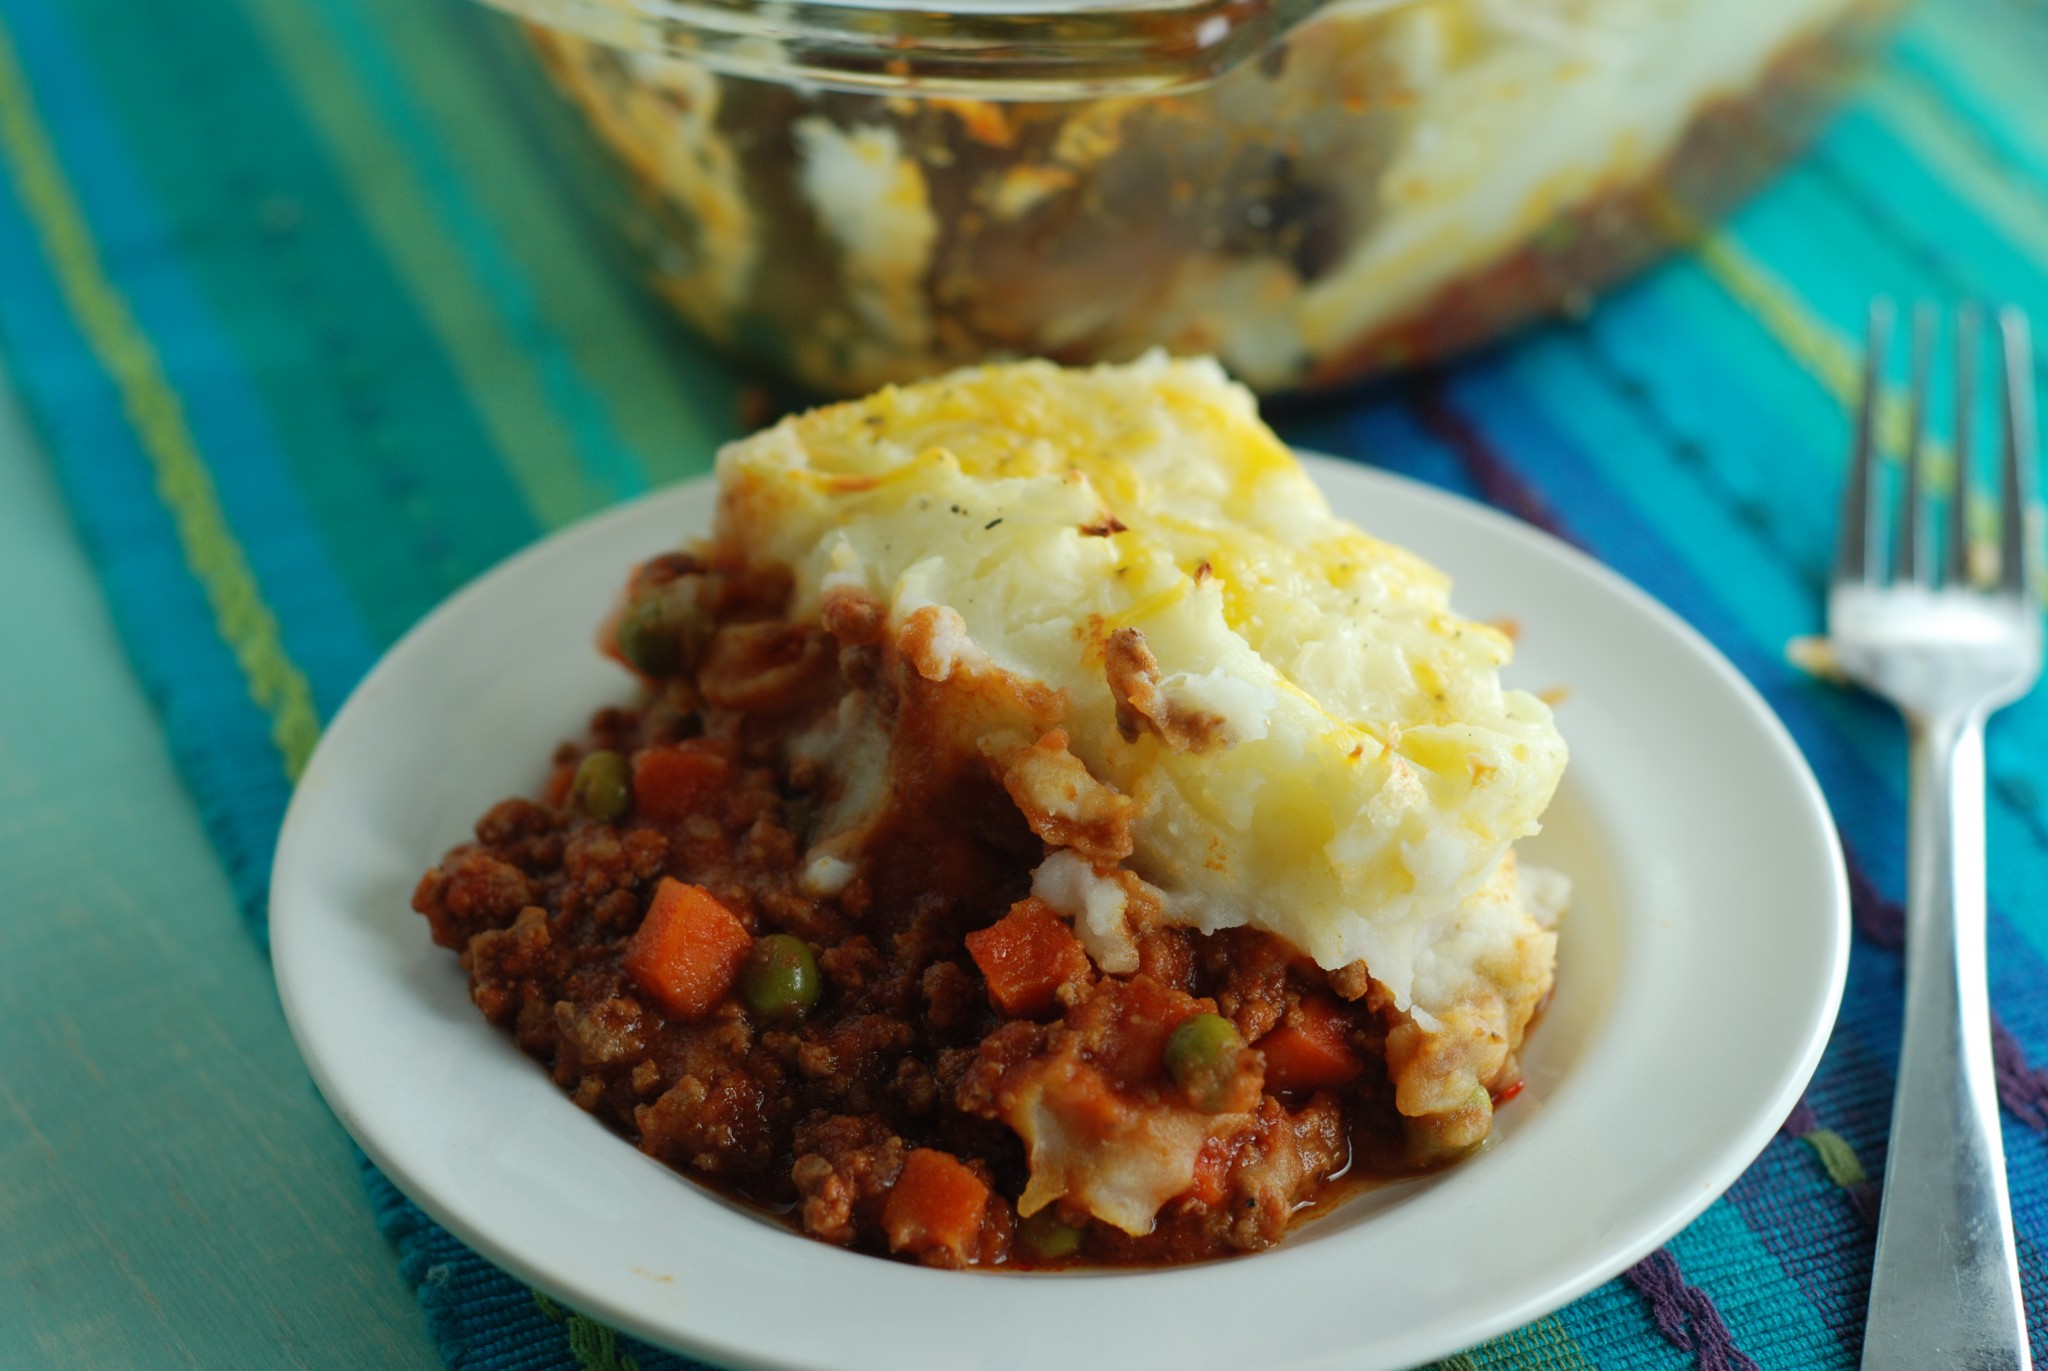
1314 743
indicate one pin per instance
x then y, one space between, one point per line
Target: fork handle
1946 1288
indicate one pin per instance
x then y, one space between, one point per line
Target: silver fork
1921 628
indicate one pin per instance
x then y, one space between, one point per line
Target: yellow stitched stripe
241 617
1837 1158
595 1346
1829 357
1826 355
2017 207
1832 359
1544 1344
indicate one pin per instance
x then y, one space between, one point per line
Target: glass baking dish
1313 191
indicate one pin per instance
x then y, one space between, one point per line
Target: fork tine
1859 556
2019 550
1911 562
1969 323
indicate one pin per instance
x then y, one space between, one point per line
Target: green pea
1049 1236
779 980
600 789
664 629
648 639
1201 1056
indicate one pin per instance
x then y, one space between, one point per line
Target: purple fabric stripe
1686 1314
1796 1212
1492 475
2022 1087
1863 1195
1876 918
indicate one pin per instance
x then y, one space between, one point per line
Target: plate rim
1731 1158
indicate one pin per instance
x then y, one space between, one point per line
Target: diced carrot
1212 1165
1142 1015
671 783
1026 956
687 952
556 791
935 1206
1309 1050
608 631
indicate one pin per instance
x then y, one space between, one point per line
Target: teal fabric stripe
1806 233
1761 1302
481 1319
1987 65
1851 1093
1551 378
618 472
1913 76
1786 509
1953 250
266 510
1613 1322
2028 1181
516 144
1731 412
220 739
1901 226
1812 1229
377 430
398 206
1970 166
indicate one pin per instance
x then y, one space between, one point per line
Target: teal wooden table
172 1191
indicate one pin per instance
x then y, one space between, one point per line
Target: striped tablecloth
314 328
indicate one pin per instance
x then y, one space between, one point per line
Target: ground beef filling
883 1113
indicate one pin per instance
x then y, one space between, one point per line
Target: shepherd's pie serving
1047 835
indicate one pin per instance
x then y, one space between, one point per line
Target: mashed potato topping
1219 704
1044 835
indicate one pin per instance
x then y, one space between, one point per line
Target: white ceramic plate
1699 975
